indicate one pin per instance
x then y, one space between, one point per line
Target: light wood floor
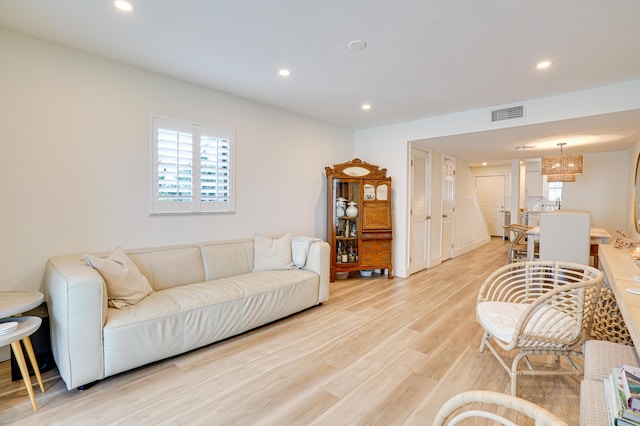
379 352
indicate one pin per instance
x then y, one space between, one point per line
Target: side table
15 303
41 342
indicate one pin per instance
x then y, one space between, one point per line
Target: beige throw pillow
271 254
125 284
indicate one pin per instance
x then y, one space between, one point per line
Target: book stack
622 395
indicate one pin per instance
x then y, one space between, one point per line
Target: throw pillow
300 250
125 284
271 254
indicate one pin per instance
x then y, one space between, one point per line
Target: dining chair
538 308
517 251
465 405
565 235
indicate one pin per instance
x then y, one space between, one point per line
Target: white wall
75 150
601 189
497 170
388 145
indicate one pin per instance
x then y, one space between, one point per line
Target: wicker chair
462 400
538 308
517 251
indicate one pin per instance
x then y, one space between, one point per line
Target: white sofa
202 293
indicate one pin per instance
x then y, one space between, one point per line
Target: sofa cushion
270 295
500 320
179 319
225 259
272 254
167 267
125 284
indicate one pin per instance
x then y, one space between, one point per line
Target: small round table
15 303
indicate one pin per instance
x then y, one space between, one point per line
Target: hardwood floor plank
376 390
378 352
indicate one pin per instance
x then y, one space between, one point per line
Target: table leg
33 360
531 247
17 351
594 253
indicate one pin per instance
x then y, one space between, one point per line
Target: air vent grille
507 113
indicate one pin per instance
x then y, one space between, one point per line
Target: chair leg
514 372
485 336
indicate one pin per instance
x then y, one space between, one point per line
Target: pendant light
562 164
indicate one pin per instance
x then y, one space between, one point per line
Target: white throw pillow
271 254
300 249
125 284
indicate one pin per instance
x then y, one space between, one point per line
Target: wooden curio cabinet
359 226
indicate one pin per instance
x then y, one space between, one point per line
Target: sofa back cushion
170 266
224 259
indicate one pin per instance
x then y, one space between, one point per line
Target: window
192 170
555 191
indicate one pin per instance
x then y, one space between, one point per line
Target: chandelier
561 178
562 165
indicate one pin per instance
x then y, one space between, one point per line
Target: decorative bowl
342 275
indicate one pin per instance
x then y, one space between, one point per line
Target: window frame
196 204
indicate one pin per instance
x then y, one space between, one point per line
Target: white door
448 205
419 211
491 197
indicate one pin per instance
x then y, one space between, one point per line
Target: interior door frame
411 267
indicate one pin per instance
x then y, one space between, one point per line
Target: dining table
597 236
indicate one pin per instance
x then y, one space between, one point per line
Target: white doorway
419 210
491 198
448 205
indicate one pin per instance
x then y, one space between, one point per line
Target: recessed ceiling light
484 163
284 72
366 107
525 147
357 45
543 65
124 5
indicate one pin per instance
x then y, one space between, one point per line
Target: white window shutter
192 168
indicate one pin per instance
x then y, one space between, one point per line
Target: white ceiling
423 58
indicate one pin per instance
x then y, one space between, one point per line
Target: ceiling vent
507 113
